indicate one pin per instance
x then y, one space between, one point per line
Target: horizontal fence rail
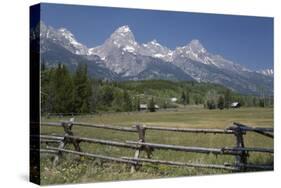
173 163
239 151
48 151
116 128
185 148
191 130
115 159
105 142
261 150
134 145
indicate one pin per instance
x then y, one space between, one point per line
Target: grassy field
72 170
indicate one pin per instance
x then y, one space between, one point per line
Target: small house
174 99
143 106
235 105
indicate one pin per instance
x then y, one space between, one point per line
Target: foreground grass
73 170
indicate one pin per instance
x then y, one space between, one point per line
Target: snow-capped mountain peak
266 72
193 50
155 49
123 38
123 32
123 29
64 30
80 48
67 34
154 43
62 37
196 46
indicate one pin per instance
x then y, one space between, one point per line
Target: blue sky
243 39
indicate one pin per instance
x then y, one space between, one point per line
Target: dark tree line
63 91
223 100
185 98
66 92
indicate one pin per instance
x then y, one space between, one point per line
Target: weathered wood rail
237 129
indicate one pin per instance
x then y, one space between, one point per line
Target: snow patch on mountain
124 29
155 49
266 72
129 49
62 37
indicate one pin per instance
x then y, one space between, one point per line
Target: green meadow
72 169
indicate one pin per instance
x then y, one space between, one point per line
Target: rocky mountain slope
121 57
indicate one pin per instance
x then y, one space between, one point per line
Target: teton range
121 57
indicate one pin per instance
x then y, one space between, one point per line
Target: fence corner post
241 159
62 144
67 127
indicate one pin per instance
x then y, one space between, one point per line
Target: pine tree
187 98
127 106
95 95
45 91
136 104
183 98
221 102
227 98
151 105
82 90
61 90
118 102
261 102
107 95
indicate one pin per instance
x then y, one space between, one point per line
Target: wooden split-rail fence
240 151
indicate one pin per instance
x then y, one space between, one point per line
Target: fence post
141 133
69 132
59 154
61 145
241 159
67 126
